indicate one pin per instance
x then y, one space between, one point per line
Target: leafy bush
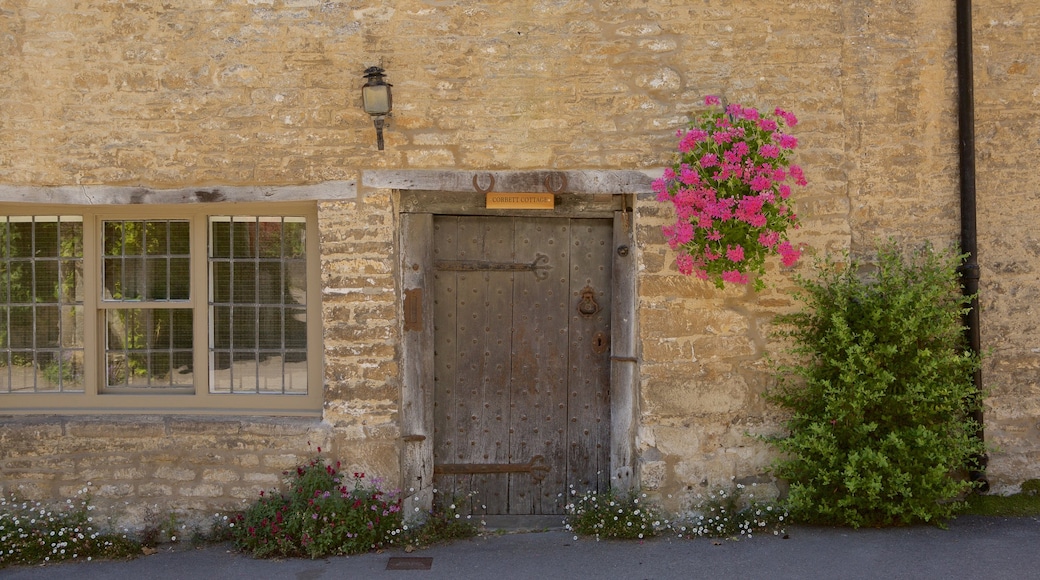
879 420
34 533
321 514
607 515
729 514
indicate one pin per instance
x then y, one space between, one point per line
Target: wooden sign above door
520 201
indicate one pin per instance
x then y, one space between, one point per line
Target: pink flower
711 100
690 140
761 183
722 137
679 234
685 264
768 239
709 160
769 151
767 124
796 173
714 235
788 141
788 118
757 220
660 187
785 191
735 253
788 254
688 176
734 276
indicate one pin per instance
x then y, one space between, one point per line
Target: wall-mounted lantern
376 99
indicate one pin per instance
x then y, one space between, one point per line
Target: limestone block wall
1007 97
266 93
136 468
362 331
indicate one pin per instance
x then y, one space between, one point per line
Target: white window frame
93 400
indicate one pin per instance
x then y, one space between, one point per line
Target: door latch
587 306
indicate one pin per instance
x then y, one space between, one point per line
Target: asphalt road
972 547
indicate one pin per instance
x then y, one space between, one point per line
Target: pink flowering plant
321 513
731 186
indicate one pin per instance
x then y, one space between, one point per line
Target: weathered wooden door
522 360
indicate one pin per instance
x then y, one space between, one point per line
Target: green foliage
608 515
1025 504
445 523
321 514
33 533
730 514
879 420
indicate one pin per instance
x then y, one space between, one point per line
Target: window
160 308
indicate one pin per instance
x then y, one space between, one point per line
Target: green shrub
608 515
879 423
34 533
321 514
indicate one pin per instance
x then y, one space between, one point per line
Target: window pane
243 281
180 238
41 311
46 243
295 237
47 333
157 238
71 237
141 263
243 328
296 282
257 300
180 278
20 281
71 281
148 348
220 281
243 237
21 237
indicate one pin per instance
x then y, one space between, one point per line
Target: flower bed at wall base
731 186
322 513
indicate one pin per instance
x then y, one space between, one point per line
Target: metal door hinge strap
540 266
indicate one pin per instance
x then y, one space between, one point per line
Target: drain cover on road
407 563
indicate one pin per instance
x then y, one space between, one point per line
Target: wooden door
522 360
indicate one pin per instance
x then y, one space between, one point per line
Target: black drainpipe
969 238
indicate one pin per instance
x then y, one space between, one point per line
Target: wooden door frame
449 195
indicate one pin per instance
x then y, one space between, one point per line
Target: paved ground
972 547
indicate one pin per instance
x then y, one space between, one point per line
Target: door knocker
588 307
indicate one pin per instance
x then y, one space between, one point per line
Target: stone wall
1007 98
266 92
135 468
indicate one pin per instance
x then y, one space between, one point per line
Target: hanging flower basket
731 188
